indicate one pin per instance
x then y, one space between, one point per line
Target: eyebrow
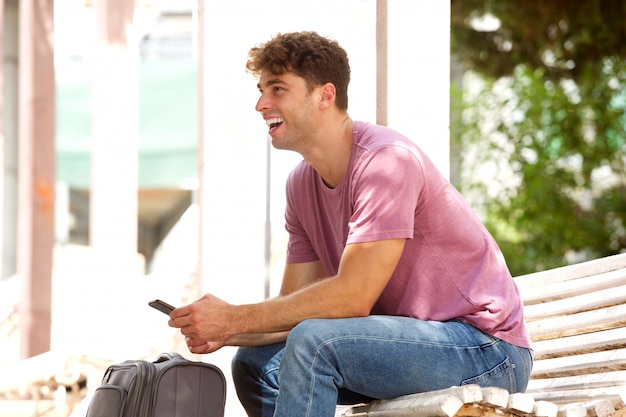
271 82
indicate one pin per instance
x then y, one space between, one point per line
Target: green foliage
564 37
552 110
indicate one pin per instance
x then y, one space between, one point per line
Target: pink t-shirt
451 267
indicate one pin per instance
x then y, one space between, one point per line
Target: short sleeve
386 192
299 246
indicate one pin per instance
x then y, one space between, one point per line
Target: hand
206 319
202 347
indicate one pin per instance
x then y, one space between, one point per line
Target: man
392 285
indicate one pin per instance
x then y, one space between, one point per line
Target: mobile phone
162 306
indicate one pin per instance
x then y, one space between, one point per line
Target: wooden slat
495 397
600 380
521 402
613 394
586 322
584 343
441 403
545 409
551 389
479 410
541 409
576 271
573 287
595 408
585 302
610 360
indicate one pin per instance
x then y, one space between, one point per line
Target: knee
309 336
306 333
254 363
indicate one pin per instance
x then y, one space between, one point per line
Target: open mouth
274 123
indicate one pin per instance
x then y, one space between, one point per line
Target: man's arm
364 271
301 275
295 277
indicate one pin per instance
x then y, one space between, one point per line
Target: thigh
385 356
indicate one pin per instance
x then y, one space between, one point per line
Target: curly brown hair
317 59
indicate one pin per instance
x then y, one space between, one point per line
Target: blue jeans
346 361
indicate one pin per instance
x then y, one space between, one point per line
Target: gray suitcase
171 386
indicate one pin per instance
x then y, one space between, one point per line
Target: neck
331 154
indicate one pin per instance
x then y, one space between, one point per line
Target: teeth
274 120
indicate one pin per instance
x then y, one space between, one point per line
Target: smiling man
392 285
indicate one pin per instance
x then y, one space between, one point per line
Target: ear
328 93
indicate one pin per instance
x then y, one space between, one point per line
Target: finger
191 342
180 312
174 322
186 331
200 349
178 322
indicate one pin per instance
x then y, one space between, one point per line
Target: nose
262 104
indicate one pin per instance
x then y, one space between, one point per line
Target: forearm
257 339
328 298
363 273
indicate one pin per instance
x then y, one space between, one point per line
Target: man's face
288 109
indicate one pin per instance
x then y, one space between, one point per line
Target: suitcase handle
167 356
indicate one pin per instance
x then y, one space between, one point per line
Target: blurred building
165 41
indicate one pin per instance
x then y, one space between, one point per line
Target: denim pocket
502 375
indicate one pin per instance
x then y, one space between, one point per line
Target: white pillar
381 62
36 179
114 163
419 75
200 41
2 140
9 136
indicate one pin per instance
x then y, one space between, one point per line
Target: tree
552 108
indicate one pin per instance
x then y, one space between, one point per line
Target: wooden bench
576 317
